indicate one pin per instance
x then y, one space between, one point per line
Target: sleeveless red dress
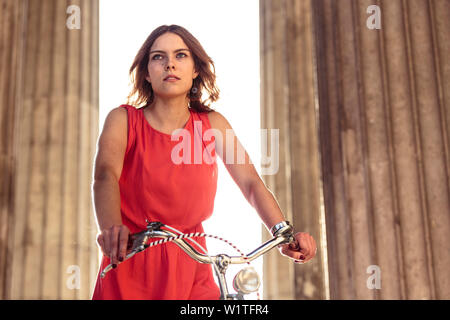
154 185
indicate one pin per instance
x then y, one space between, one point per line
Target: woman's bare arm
108 165
255 190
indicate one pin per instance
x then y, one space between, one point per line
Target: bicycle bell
246 281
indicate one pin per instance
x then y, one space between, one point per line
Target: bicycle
245 281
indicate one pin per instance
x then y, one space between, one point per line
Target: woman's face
170 55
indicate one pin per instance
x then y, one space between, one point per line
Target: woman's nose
170 64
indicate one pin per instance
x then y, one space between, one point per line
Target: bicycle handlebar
139 243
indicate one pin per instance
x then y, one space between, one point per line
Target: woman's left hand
302 250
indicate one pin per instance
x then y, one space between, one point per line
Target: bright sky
229 32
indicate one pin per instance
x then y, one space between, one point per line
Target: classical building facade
360 93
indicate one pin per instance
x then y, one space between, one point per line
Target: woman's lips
171 76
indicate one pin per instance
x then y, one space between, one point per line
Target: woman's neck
170 113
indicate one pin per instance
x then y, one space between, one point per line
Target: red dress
155 186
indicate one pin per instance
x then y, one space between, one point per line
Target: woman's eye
158 55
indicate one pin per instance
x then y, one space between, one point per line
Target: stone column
384 108
288 105
51 112
376 76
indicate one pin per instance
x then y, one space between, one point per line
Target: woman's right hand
114 241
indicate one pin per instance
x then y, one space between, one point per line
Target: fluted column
288 105
54 102
384 108
10 36
380 87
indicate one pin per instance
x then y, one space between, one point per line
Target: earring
194 90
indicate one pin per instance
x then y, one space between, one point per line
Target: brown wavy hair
142 94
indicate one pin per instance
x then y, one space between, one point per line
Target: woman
138 174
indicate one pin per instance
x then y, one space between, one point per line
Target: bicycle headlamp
246 281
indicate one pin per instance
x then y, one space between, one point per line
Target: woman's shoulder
218 120
117 112
122 114
117 118
129 110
